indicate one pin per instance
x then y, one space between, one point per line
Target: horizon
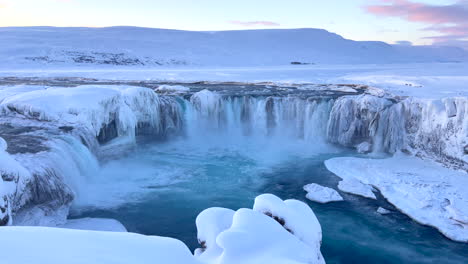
403 22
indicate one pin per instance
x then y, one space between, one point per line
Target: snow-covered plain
43 47
424 190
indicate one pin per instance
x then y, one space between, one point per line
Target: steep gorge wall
435 129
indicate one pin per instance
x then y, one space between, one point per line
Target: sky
405 22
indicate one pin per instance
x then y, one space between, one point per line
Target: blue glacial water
161 187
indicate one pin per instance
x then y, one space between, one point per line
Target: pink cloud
451 21
254 23
417 12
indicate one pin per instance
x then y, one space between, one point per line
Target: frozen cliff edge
431 128
274 231
422 189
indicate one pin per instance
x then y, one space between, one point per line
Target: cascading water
261 117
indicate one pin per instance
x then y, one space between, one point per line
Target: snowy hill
145 47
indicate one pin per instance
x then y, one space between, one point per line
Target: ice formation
321 194
433 128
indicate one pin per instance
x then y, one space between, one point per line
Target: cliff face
436 129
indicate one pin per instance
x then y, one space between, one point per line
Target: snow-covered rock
383 211
210 223
172 89
356 187
424 190
275 231
321 194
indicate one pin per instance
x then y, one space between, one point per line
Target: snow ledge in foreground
424 190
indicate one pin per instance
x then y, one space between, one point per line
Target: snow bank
95 224
321 194
275 231
424 190
57 246
356 187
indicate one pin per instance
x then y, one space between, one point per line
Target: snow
95 224
43 47
321 194
43 245
356 187
424 190
274 231
210 223
176 89
383 211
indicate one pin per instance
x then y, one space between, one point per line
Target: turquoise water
161 187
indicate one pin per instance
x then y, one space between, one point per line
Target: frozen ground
425 191
428 80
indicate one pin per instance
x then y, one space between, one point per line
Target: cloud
450 21
254 23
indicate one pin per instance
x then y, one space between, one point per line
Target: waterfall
238 117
